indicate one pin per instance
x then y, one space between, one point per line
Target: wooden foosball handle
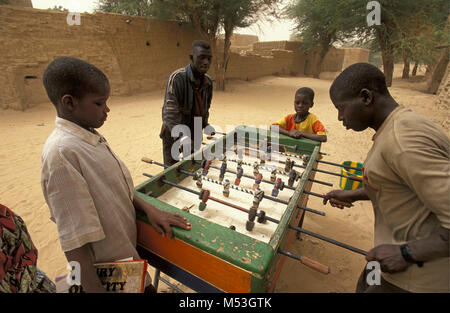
147 160
315 265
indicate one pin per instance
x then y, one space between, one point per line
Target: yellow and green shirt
310 125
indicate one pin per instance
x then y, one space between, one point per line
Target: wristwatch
406 253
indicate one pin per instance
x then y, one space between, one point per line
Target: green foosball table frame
214 258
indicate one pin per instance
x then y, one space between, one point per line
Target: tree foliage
209 17
320 23
59 8
408 30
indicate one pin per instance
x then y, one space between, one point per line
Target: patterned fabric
18 255
310 125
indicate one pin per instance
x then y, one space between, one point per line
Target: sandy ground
132 130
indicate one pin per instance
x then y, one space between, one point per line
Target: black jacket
179 99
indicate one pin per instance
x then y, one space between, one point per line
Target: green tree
241 14
138 7
408 29
209 17
320 23
59 8
418 35
4 2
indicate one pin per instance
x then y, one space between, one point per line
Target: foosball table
245 195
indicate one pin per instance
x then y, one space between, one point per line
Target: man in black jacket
187 98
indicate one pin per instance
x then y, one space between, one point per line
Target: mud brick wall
136 53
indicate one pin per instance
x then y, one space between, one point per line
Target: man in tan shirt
406 176
87 187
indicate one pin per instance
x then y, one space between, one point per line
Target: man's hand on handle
389 257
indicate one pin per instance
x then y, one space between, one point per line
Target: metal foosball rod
267 218
334 201
267 168
147 160
306 261
329 240
282 186
284 173
295 147
310 179
201 194
317 170
318 161
339 165
301 158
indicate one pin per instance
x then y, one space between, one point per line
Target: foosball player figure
305 159
226 188
239 164
258 180
273 175
223 169
293 176
205 165
261 217
255 168
239 174
204 196
187 208
198 178
277 187
257 198
251 219
287 165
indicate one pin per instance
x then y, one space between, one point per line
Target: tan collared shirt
406 176
89 192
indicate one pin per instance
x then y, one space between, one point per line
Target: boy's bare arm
89 279
291 133
160 220
316 137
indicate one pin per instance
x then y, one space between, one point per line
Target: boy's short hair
72 76
201 43
356 77
306 91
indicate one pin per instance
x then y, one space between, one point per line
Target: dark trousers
167 146
168 142
384 287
